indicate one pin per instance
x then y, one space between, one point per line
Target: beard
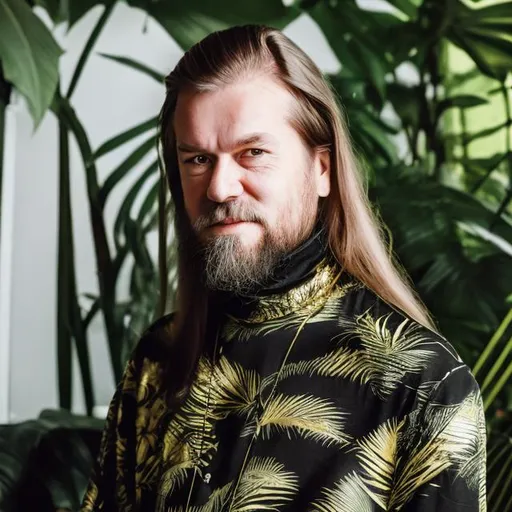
230 266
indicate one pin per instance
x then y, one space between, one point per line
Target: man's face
250 184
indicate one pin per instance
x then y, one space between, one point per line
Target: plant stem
88 48
64 343
488 174
493 342
105 269
69 318
464 131
5 94
434 143
502 380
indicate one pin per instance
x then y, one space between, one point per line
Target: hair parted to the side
354 232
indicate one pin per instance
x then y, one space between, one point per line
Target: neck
297 267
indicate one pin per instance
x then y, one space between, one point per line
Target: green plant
45 463
448 205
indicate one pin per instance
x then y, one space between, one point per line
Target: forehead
215 119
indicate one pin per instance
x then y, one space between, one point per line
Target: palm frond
225 388
265 485
348 495
242 331
308 416
385 357
455 438
236 387
215 501
288 311
420 468
172 479
377 453
464 440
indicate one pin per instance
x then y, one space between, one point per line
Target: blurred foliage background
427 89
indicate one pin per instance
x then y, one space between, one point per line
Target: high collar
295 269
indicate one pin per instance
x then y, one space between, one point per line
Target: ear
323 171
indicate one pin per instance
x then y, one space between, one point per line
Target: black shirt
320 397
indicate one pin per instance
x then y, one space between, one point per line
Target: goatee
228 266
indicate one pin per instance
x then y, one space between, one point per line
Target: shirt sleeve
129 449
442 450
108 473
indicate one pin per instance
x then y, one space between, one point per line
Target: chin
248 236
251 239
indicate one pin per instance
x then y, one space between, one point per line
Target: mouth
228 221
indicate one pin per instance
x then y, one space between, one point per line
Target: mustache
220 212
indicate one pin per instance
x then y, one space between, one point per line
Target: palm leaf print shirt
321 398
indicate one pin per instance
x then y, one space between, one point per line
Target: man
300 372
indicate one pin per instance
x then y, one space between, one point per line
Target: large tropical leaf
137 66
29 55
57 450
485 34
356 37
188 22
408 7
77 8
460 274
125 210
124 137
125 167
499 468
57 9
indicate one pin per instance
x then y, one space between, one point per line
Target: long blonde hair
354 231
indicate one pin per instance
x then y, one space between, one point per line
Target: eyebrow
252 138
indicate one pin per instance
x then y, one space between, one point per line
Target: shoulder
154 341
148 359
425 358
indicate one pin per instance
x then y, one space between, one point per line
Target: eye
198 160
255 152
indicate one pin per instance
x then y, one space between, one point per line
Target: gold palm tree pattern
427 425
264 485
377 454
347 495
217 391
382 360
321 295
308 416
453 437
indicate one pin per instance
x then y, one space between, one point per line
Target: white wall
109 99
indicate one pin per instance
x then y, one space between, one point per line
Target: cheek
192 196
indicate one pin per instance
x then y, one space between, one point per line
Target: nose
225 184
